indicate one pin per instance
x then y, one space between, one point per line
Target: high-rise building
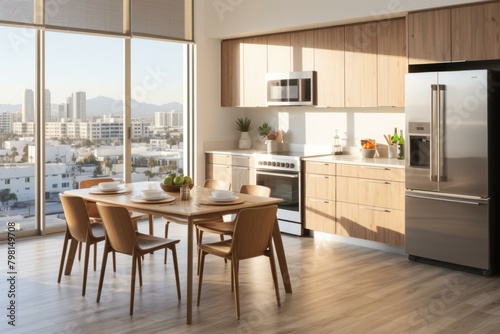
79 106
28 113
168 118
6 120
48 106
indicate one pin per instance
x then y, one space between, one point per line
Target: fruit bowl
174 188
367 153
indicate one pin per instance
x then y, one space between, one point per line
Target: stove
280 161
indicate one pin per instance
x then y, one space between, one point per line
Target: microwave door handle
441 133
434 134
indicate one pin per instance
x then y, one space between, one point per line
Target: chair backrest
256 190
217 184
91 208
253 231
77 219
93 182
118 227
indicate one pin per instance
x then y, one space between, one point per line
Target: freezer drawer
448 229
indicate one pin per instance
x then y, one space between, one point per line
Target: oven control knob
292 165
274 164
287 165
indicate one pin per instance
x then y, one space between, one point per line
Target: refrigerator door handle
434 124
444 199
441 134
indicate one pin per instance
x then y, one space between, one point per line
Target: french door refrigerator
450 139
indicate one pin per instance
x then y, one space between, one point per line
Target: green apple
172 175
168 181
178 180
188 180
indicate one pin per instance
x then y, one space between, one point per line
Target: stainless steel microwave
291 89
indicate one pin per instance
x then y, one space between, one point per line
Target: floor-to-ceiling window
69 71
17 113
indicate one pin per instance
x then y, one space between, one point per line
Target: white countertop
357 160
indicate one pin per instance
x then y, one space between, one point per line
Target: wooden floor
337 288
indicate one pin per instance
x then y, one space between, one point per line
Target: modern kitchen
374 124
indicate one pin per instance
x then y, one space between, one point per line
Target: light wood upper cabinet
279 53
231 69
361 65
254 71
329 66
302 44
475 32
429 37
392 63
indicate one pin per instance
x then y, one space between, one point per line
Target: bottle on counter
401 146
395 137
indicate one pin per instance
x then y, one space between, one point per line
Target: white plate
141 198
107 190
232 198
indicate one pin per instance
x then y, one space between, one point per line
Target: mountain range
103 105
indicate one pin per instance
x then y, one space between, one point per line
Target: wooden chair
252 237
79 228
94 214
209 183
227 228
123 238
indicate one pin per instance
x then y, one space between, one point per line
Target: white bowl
222 194
108 185
368 153
151 193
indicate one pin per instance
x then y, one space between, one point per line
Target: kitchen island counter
357 160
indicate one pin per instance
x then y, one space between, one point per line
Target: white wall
220 19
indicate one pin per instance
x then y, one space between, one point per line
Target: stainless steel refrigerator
450 138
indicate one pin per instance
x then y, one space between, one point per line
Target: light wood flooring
337 288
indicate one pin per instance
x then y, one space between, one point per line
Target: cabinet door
231 67
348 224
240 176
254 71
347 189
302 52
320 167
329 66
380 193
361 65
221 172
320 215
475 32
386 226
320 186
392 63
278 53
429 37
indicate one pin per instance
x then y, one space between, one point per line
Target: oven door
284 185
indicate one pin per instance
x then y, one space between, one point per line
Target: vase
245 142
272 146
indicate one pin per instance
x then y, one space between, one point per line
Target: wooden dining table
197 207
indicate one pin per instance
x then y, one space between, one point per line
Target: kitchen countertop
357 160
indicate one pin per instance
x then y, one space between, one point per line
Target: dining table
200 205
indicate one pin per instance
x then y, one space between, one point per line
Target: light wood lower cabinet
237 169
368 202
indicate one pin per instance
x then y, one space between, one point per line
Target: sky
94 64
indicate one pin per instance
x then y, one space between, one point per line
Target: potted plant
244 125
266 131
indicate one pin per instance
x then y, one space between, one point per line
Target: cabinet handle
376 209
376 168
373 181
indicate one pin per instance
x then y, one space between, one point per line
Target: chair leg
95 256
85 267
200 279
235 265
275 275
132 282
176 271
63 256
222 239
103 269
166 236
139 265
114 262
199 238
79 251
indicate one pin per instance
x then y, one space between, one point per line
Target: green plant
264 130
243 124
